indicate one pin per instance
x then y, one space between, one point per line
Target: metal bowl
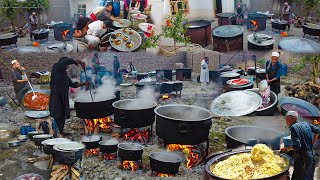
313 110
125 23
37 114
135 38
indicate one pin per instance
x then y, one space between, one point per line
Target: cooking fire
96 125
108 157
62 172
164 175
92 152
255 24
137 135
193 153
131 165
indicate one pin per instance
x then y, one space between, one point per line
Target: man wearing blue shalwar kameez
303 136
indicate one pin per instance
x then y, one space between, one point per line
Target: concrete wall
273 6
59 10
193 60
228 6
203 9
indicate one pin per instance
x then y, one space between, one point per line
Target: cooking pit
278 24
92 145
199 32
8 39
260 19
227 38
130 156
164 164
94 126
226 19
311 30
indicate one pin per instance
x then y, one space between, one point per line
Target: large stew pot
109 146
130 151
182 124
100 108
269 110
68 153
49 143
208 175
163 162
134 113
250 135
91 142
37 139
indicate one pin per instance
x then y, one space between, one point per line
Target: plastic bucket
23 130
116 9
287 141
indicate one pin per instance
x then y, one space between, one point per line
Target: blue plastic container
287 141
284 70
116 9
23 130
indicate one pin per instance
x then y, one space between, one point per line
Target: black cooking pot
228 76
166 87
68 157
117 93
166 163
141 76
130 151
33 133
37 139
245 135
100 108
49 143
141 85
134 113
177 85
210 176
182 124
108 146
164 74
269 110
91 142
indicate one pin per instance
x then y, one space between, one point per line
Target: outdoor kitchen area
159 89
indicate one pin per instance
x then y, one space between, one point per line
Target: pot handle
183 128
72 156
122 115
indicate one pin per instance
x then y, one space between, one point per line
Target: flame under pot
182 124
130 151
166 163
134 113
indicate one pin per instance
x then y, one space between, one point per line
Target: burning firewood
60 172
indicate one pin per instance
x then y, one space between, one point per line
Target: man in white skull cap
18 76
204 76
303 136
273 72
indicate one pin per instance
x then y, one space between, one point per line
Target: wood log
55 167
56 176
75 172
57 171
65 172
36 159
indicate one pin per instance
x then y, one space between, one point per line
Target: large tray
135 38
125 23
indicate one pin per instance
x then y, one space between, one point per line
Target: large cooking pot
210 176
109 146
226 76
68 153
163 162
134 113
250 135
130 151
269 110
41 137
33 133
49 143
303 108
27 90
182 124
100 108
91 142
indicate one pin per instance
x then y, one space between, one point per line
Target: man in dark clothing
273 73
107 17
33 21
303 136
59 86
18 81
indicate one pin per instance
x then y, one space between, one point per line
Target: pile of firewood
308 91
61 172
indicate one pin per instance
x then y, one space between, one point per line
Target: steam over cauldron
182 124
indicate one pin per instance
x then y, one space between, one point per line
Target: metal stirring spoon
34 95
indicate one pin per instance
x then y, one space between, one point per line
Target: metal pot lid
261 39
261 70
52 142
226 15
299 45
130 146
227 31
37 114
41 136
312 26
229 74
7 35
21 137
110 142
69 146
13 141
35 132
236 103
165 157
94 138
278 21
197 24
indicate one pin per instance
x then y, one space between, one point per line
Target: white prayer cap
292 113
275 54
14 61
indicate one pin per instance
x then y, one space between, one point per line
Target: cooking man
273 73
117 75
59 86
18 79
131 67
85 38
286 13
107 17
33 21
204 76
303 136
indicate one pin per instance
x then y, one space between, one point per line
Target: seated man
131 67
107 17
48 126
83 41
97 28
